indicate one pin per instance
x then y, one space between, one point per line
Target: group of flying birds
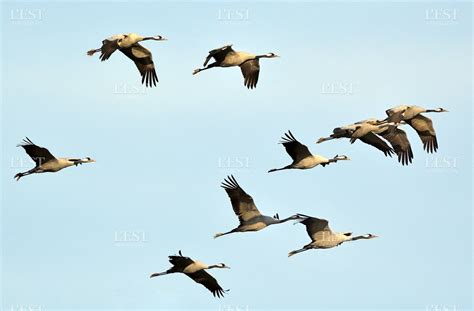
225 56
385 135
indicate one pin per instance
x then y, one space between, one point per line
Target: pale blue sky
160 156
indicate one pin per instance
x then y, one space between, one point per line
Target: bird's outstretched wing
108 48
250 70
316 228
294 148
205 279
242 203
218 54
143 60
424 127
38 154
400 143
373 140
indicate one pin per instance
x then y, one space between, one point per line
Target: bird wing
340 132
208 281
250 70
316 227
38 154
373 140
400 143
108 48
294 148
242 203
180 262
143 60
424 127
218 54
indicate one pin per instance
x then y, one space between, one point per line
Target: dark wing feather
294 148
400 143
377 142
314 227
250 70
144 62
218 54
108 48
179 262
424 127
341 133
208 281
242 203
38 154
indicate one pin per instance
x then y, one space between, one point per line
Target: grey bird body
302 157
196 271
322 237
250 218
45 161
129 45
226 57
421 124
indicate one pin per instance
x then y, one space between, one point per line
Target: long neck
148 38
433 110
213 266
261 56
285 220
359 237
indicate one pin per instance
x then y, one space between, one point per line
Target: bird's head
322 139
158 38
222 266
271 55
369 236
341 157
441 110
80 161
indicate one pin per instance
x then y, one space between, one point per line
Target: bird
421 124
302 157
226 57
244 208
322 237
370 138
129 45
196 271
365 127
45 161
